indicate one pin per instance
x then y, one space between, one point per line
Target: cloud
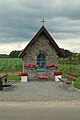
70 44
20 20
11 47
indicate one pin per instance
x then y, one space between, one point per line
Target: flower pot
57 77
23 78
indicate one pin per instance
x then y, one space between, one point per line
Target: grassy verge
77 82
75 69
14 77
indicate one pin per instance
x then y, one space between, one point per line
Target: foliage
67 52
4 56
14 54
10 64
78 55
69 60
14 77
77 82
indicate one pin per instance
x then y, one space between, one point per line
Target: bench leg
5 80
1 88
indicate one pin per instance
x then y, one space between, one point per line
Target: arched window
41 60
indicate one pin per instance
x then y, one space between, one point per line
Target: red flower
56 65
40 77
23 74
57 73
36 66
52 65
31 65
43 77
26 65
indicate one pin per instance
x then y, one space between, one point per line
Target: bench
4 82
69 79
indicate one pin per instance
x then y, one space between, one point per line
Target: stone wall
41 44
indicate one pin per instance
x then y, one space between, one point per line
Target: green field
10 64
13 66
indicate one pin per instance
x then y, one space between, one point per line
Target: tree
14 54
67 52
4 56
78 55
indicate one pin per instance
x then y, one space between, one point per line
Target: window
41 60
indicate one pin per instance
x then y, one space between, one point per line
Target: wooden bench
4 82
69 79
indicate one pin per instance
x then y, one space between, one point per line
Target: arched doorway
41 60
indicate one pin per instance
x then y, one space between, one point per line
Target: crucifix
43 21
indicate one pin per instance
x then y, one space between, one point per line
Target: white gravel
38 91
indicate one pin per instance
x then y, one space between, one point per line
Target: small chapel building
41 55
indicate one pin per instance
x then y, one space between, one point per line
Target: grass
16 77
77 82
10 64
75 69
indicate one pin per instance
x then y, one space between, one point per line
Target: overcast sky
20 20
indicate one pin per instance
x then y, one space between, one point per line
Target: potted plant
57 75
42 77
31 66
23 76
52 66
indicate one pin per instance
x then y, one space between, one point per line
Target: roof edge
42 29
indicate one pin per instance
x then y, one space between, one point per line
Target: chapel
40 56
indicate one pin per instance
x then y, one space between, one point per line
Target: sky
21 19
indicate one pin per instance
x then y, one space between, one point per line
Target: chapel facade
41 56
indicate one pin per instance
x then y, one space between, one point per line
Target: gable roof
43 29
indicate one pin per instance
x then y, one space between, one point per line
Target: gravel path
38 91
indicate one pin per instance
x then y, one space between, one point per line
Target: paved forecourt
39 91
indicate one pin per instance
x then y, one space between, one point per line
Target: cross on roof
43 21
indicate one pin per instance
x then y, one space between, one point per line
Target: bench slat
70 78
9 83
70 74
65 81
